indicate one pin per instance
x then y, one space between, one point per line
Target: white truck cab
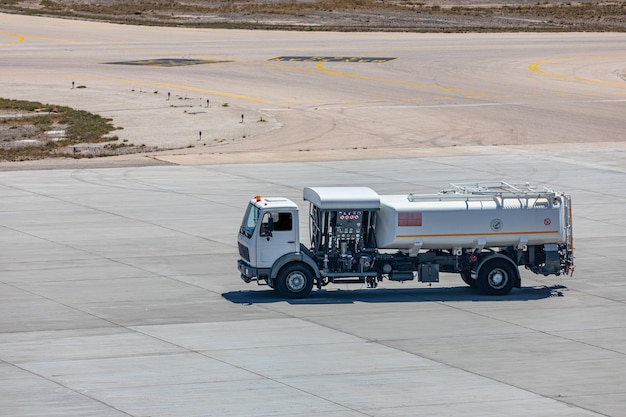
269 231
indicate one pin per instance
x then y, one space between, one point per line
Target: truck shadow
395 295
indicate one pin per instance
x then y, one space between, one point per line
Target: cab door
278 235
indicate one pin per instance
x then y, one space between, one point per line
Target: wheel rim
296 281
498 278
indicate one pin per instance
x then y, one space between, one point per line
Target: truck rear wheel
496 277
295 281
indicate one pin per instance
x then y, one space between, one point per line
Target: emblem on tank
496 225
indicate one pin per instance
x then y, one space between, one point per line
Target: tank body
441 223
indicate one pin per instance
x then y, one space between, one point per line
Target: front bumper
248 273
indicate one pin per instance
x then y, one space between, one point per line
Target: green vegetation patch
31 130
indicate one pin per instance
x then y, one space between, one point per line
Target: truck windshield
250 220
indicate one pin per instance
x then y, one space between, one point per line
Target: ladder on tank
501 189
527 194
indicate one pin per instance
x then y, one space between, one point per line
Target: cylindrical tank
457 222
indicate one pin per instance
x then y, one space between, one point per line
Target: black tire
295 281
496 277
466 276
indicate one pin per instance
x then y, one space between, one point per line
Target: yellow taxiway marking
168 85
20 39
187 88
321 67
534 67
217 93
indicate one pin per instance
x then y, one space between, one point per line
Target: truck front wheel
466 276
496 277
295 281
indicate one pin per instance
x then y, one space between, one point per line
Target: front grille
244 252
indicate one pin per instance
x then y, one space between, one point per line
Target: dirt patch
351 15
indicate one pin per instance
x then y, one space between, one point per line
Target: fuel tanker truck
482 231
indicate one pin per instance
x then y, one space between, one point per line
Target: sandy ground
271 97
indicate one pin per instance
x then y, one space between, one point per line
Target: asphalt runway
119 293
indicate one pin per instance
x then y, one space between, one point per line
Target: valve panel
349 225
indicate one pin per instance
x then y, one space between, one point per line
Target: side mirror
267 228
270 228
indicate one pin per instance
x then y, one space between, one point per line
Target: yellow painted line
534 67
547 232
218 93
188 88
169 85
321 67
20 39
141 83
96 44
